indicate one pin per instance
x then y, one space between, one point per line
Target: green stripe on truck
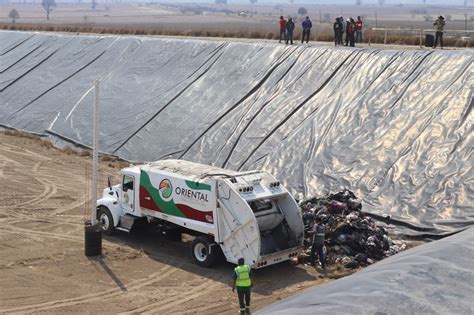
198 186
167 207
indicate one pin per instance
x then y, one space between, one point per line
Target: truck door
128 194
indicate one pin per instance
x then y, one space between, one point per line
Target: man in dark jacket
307 25
343 30
439 23
338 30
347 24
282 29
290 27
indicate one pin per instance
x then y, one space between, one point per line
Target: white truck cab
241 214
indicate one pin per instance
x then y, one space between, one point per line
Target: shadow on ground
178 254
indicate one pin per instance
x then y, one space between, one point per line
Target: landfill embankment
393 126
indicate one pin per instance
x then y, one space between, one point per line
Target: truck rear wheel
106 221
203 254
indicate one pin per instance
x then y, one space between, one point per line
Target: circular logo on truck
165 189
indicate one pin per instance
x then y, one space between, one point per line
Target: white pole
95 149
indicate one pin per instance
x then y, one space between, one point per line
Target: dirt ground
43 268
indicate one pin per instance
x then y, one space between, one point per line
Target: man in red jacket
282 29
359 25
351 29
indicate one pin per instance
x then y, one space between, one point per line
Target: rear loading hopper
260 220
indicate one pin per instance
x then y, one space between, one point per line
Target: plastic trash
350 235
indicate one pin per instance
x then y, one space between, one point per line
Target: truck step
126 222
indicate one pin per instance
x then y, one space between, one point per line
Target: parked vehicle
239 214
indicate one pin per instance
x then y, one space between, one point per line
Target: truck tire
200 249
106 221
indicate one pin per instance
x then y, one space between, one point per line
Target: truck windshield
260 205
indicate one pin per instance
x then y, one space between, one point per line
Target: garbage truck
238 214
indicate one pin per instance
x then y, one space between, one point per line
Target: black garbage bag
361 258
354 204
342 196
352 264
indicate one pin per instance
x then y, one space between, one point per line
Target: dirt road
42 264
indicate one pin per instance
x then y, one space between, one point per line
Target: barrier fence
421 32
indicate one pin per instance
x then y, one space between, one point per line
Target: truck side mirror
109 181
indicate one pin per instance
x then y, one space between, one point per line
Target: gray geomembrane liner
393 126
435 278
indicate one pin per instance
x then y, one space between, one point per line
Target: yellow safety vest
243 276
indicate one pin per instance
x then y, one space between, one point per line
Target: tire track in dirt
215 308
22 231
163 305
135 285
49 189
4 162
49 180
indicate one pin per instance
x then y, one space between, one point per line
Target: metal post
92 229
421 38
370 36
95 154
465 24
385 38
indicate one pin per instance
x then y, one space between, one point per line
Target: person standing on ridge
351 28
343 29
347 30
282 29
319 234
307 25
338 30
439 23
358 28
242 280
290 27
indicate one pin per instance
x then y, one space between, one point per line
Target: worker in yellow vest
243 282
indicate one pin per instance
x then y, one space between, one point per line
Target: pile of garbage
352 238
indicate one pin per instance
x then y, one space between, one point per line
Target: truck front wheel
203 254
106 221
